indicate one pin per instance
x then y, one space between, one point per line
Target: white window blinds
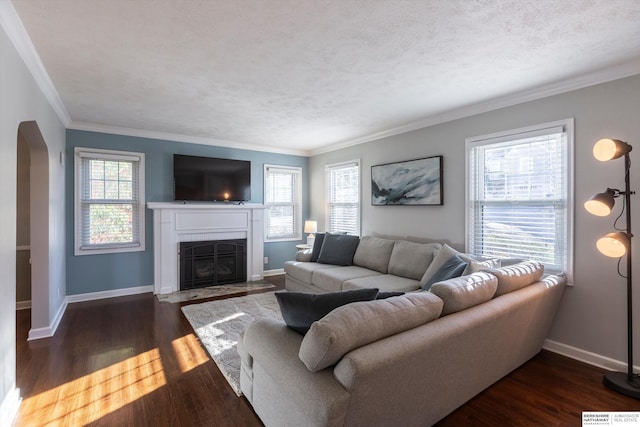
343 210
282 197
109 201
519 201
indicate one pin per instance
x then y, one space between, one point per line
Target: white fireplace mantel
179 222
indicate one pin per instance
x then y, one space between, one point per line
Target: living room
603 103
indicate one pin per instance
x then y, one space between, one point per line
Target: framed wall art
411 182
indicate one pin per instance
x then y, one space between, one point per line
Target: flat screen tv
210 179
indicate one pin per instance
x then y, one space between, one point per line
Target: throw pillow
338 249
317 245
453 267
475 266
299 309
354 325
440 258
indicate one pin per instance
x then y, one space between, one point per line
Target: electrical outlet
266 260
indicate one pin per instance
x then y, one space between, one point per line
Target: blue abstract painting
413 182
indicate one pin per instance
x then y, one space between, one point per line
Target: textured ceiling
302 75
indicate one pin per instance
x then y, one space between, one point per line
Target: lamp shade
608 149
310 226
613 245
600 204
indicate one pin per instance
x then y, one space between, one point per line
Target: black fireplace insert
213 262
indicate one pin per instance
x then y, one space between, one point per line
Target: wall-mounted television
211 179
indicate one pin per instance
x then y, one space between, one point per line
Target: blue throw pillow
317 245
453 267
338 249
300 309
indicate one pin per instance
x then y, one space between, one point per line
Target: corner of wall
9 407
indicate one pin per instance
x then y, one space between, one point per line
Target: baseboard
587 356
23 305
9 407
36 334
273 272
49 331
109 294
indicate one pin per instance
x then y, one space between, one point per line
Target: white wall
22 101
592 316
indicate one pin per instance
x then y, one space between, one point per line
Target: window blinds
109 200
518 196
343 184
282 194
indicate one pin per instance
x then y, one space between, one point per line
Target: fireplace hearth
213 262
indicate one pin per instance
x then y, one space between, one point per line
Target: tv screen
211 179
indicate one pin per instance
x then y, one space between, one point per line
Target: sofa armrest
284 391
303 255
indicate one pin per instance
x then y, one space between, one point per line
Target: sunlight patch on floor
189 353
100 393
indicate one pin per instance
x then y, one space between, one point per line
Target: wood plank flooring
133 361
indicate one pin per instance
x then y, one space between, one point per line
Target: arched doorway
29 133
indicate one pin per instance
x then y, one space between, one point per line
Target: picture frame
412 182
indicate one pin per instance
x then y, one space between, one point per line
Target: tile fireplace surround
178 222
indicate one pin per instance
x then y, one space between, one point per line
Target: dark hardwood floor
133 361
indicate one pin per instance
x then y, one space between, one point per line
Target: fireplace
213 262
174 223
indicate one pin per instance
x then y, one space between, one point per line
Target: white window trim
568 129
80 152
298 211
328 167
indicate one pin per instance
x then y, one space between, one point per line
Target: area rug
214 291
219 323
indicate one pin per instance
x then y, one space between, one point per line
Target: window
343 197
282 197
519 195
109 201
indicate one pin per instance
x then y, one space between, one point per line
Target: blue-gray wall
94 273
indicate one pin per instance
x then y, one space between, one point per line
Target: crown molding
617 72
141 133
12 25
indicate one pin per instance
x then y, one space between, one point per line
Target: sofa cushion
354 325
373 253
517 276
317 245
300 309
303 271
410 260
442 256
384 282
475 266
331 279
338 249
463 292
453 267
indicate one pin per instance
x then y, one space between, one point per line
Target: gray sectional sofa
406 360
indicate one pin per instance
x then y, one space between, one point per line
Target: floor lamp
616 245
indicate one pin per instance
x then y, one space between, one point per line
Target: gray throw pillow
317 245
338 249
300 309
453 267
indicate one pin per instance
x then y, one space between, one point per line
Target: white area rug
219 323
214 291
